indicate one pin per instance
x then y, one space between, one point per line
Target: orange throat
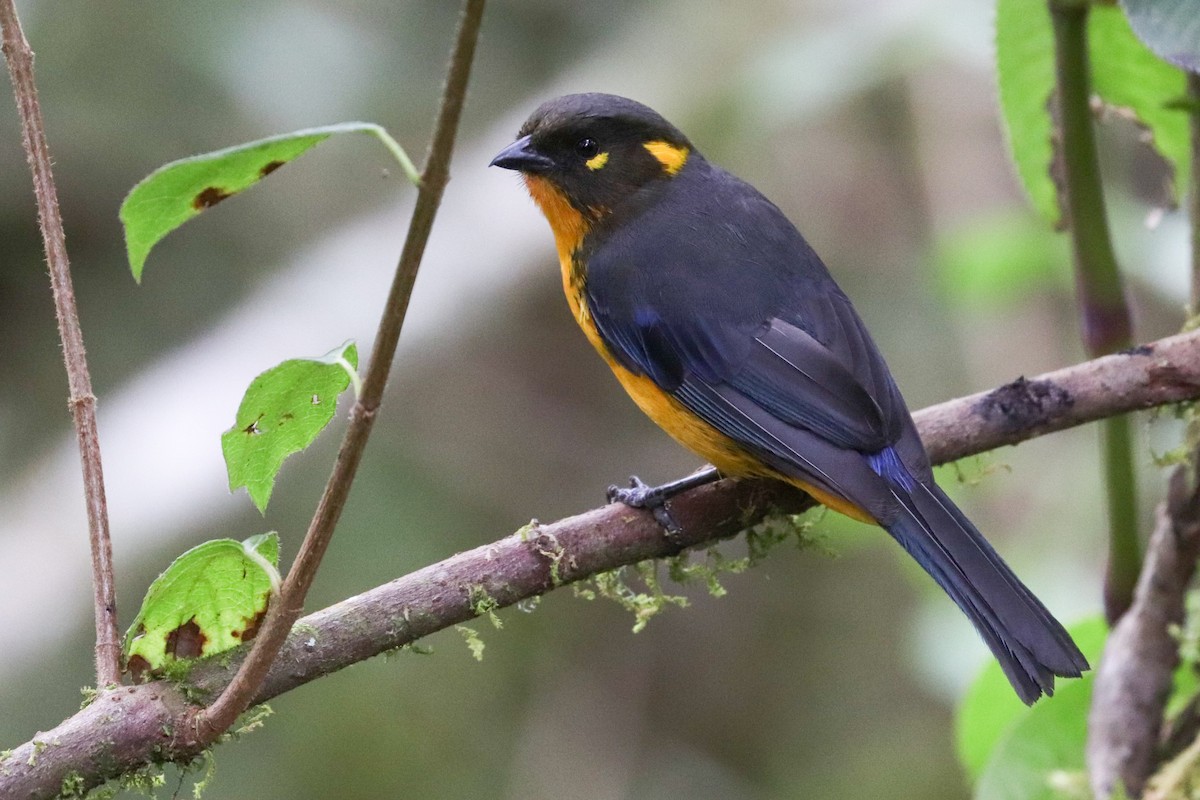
569 227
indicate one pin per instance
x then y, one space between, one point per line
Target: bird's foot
639 494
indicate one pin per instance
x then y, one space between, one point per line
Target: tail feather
1031 646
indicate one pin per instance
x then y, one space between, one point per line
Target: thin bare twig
82 402
127 729
245 685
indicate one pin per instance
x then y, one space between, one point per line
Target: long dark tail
1030 644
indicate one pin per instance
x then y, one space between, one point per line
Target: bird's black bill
521 156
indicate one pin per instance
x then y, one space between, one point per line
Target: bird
726 328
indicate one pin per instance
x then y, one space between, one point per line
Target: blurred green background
872 123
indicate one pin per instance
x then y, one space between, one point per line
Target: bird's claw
639 494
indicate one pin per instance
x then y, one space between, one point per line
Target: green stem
406 165
1124 548
1104 314
1194 190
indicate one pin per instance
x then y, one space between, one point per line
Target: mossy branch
123 730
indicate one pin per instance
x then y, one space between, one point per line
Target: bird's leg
640 495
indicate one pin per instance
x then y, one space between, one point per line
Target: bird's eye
587 147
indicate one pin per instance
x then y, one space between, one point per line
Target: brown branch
1164 371
1135 674
123 732
82 402
246 684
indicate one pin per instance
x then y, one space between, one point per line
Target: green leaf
1125 75
990 708
1187 683
1025 74
1171 28
1041 756
178 191
281 413
211 599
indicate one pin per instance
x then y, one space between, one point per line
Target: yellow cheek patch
597 161
671 157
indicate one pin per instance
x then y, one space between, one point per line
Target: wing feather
740 317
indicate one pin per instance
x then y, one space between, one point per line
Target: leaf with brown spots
209 198
178 191
212 598
186 641
252 626
138 668
269 167
278 416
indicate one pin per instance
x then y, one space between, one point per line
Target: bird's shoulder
710 259
707 225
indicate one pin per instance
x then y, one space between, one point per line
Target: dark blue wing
719 300
739 311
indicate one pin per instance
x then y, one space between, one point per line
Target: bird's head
593 155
